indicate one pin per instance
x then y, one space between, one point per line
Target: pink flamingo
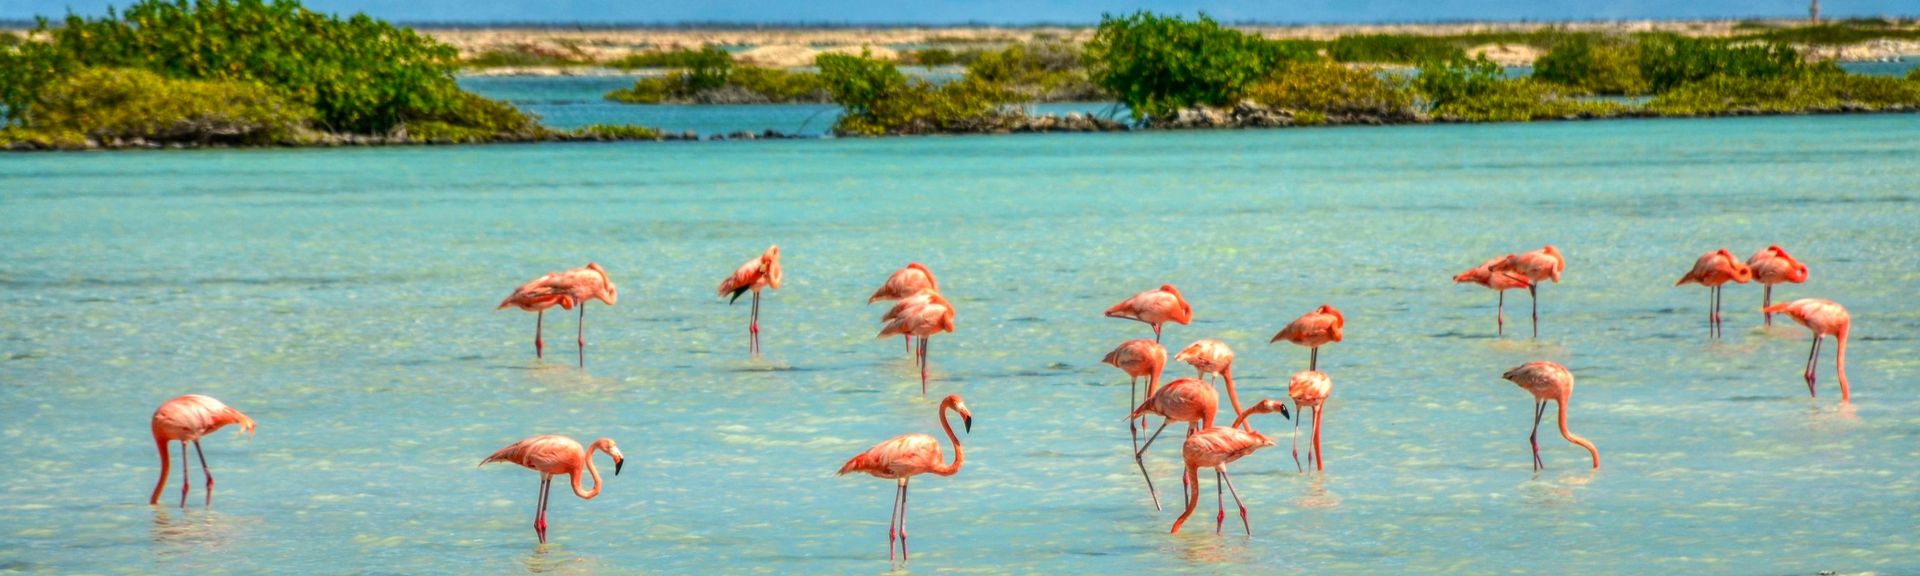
552 455
1543 264
185 420
1499 282
566 290
1154 307
1187 400
913 280
1712 270
921 318
1138 358
1773 265
759 273
1213 357
1824 318
909 455
1216 448
1549 381
1309 390
1321 326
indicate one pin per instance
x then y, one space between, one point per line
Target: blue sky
1031 11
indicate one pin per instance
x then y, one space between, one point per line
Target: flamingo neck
959 453
595 472
166 467
1575 438
1193 497
1839 366
1233 396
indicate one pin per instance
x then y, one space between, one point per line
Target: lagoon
344 299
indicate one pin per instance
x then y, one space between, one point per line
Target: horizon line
1909 19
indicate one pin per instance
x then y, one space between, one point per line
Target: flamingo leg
205 470
909 341
1296 436
1219 499
1813 361
539 322
904 485
1236 501
1533 294
893 525
1313 358
1717 330
1133 399
1539 410
582 339
184 478
1765 301
540 511
1500 315
1156 333
1140 461
923 366
753 326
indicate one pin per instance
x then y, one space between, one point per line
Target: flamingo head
931 283
1798 273
1269 406
606 445
770 262
957 404
609 293
1190 353
1329 309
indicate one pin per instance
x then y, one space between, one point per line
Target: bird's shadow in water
552 559
1204 548
179 531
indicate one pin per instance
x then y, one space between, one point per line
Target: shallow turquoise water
344 299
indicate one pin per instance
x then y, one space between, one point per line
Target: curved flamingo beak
966 422
1284 413
617 463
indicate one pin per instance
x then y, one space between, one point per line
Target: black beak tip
616 466
967 423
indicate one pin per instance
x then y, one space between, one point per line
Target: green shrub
1593 65
1392 48
1668 61
1850 31
1330 88
618 131
654 90
107 104
1811 92
770 85
359 74
1914 74
880 100
1478 90
1158 64
933 57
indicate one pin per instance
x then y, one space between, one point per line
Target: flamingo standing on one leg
921 318
1548 381
1189 400
913 280
566 290
1773 265
552 455
1139 358
1216 448
1213 357
1155 307
1543 264
1824 318
185 420
1713 270
761 272
909 455
1313 329
1499 282
1309 390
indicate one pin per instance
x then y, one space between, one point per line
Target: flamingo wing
898 457
547 453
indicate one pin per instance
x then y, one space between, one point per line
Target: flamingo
1187 400
1713 270
1773 265
1216 448
1309 390
566 290
1139 358
185 420
761 272
922 318
1155 307
912 280
1313 329
1824 318
1543 264
1499 282
552 455
1213 357
908 455
1549 381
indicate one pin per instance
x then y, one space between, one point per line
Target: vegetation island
272 73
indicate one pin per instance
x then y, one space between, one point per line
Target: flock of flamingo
921 312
